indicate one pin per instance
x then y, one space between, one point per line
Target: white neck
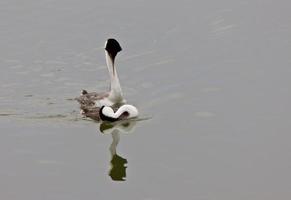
132 111
115 94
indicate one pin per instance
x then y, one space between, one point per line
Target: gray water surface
211 78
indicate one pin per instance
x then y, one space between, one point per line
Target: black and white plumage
108 106
88 100
126 111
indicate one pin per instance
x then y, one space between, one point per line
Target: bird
127 111
114 96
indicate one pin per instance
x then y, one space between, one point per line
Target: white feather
130 109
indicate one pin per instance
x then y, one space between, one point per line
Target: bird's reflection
118 164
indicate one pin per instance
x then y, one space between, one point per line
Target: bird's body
88 99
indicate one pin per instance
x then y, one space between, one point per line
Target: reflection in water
118 163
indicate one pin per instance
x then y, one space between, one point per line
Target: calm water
213 77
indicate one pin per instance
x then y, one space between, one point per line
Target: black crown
112 46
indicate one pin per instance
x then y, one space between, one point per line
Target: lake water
211 80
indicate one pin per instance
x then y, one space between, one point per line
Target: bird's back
87 99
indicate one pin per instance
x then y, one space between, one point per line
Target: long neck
131 110
115 89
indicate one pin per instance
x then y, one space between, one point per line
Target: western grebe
114 96
126 111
